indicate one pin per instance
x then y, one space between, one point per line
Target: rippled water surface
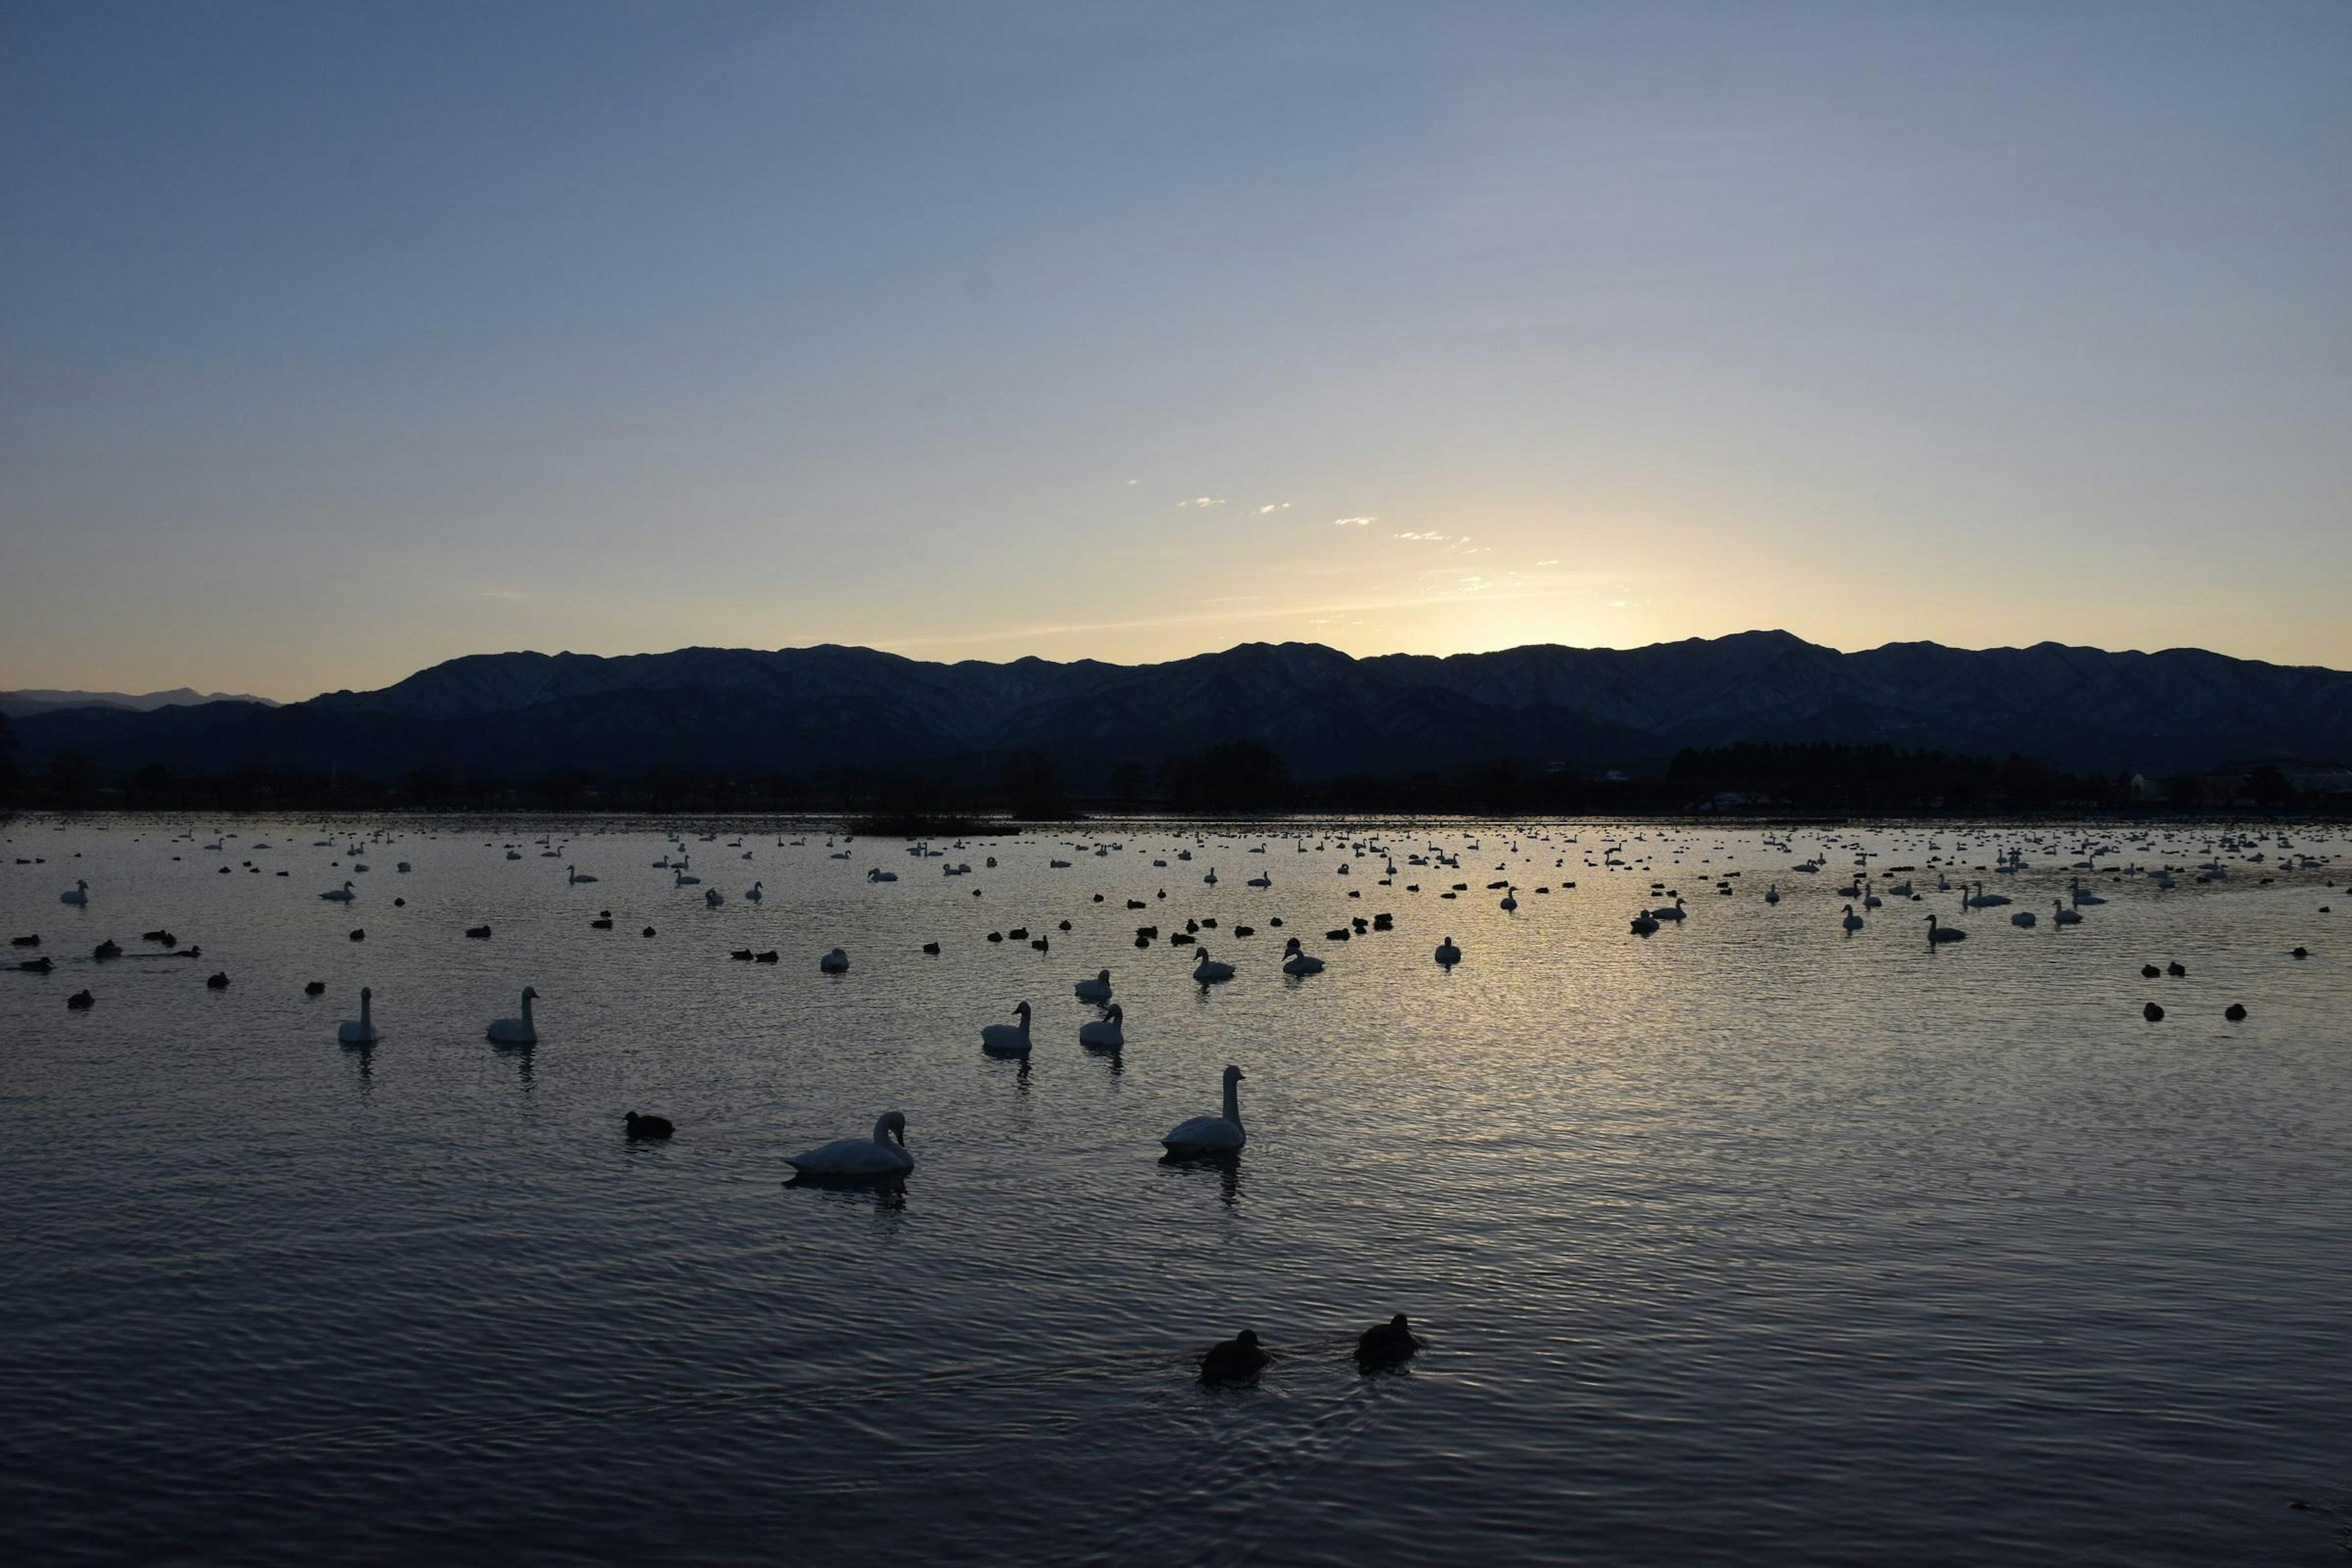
1750 1241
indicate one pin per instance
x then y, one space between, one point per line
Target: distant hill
23 704
832 709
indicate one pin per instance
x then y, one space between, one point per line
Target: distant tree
10 780
1034 786
1130 782
1239 775
2270 786
72 779
149 784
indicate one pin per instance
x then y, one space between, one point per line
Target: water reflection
1226 1167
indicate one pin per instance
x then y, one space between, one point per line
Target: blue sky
335 340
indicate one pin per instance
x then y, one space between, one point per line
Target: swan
515 1031
359 1031
1211 879
1212 1134
754 893
571 874
1007 1039
1645 925
1209 969
685 881
1937 933
835 963
2022 919
1105 1034
1510 900
80 894
342 895
1296 962
1852 922
2064 917
1984 900
1772 894
862 1157
1260 882
712 898
1674 913
2082 897
1094 990
1447 953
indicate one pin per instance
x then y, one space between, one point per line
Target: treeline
1235 777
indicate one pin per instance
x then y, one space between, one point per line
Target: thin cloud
503 593
1277 506
1432 538
1202 503
1352 521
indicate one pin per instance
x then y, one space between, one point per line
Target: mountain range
24 704
832 709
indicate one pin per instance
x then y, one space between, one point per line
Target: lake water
1751 1241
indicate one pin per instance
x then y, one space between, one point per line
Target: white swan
342 895
359 1031
1007 1039
1294 961
1094 990
79 894
571 873
1212 1134
754 893
515 1031
1209 969
835 963
1105 1034
1447 953
861 1157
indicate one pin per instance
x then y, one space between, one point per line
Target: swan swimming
861 1158
754 892
835 963
1105 1034
2064 917
1209 969
1447 953
1007 1039
1295 960
342 895
1938 933
1094 990
1212 1134
359 1031
571 874
515 1031
1852 922
78 895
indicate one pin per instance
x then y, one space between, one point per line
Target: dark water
1749 1242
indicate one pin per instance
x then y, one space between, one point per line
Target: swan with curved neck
1094 990
1295 960
861 1158
1209 970
1212 1134
1105 1034
78 895
517 1031
1007 1039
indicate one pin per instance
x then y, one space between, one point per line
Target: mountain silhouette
831 709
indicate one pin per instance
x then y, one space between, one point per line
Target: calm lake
1754 1240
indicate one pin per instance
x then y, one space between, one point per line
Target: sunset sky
337 341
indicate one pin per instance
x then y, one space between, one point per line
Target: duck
316 988
2235 1012
861 1159
1852 922
1211 1135
1939 932
931 949
216 981
638 1126
1386 1344
2176 969
479 934
2149 970
359 1031
1236 1360
1209 971
1447 953
834 962
111 948
33 941
342 895
80 1000
40 965
515 1031
1007 1039
2152 1012
78 894
1094 990
1295 960
1106 1033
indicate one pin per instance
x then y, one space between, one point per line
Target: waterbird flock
884 1156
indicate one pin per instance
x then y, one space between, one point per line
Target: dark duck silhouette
648 1126
1386 1344
1235 1360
